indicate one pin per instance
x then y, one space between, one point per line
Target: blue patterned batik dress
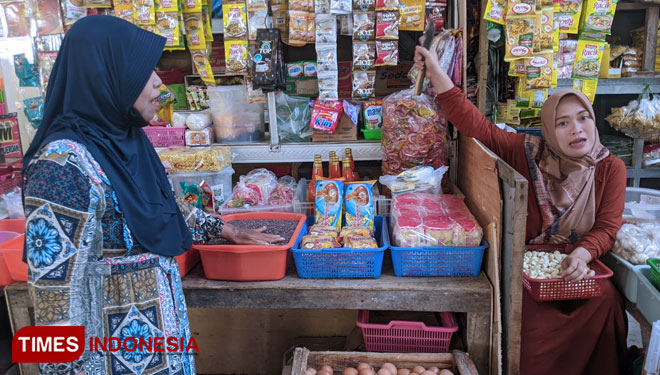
86 269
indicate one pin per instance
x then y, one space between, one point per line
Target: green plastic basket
655 271
371 134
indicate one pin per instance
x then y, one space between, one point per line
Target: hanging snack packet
326 57
144 12
543 35
235 21
517 68
364 5
34 110
587 60
302 5
256 20
598 16
298 28
521 8
328 85
411 15
588 88
309 69
329 202
321 7
326 28
364 55
538 71
340 7
195 35
520 40
387 4
435 12
126 13
46 63
295 69
363 85
569 15
25 72
318 242
236 56
98 4
311 28
326 115
202 63
359 204
387 53
256 5
162 5
167 25
387 25
192 6
364 24
373 114
191 194
266 64
495 11
281 21
352 110
73 11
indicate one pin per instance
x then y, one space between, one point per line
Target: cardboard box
346 131
10 140
302 87
391 79
344 81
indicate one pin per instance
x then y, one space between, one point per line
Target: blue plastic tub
342 263
437 260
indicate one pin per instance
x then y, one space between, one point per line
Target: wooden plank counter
472 295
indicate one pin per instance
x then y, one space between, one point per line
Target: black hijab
100 71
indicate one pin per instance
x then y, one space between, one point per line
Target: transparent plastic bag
422 179
640 118
293 115
651 157
636 242
284 192
11 204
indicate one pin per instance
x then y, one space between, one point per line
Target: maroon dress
565 337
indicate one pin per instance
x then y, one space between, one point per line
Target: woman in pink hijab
576 196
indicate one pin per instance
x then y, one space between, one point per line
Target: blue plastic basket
342 263
437 260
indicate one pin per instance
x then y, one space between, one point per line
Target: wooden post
482 69
651 41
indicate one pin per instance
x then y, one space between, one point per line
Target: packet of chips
144 12
326 115
203 65
236 56
323 230
352 231
167 25
235 21
364 55
318 242
191 6
194 25
360 242
387 53
329 202
359 204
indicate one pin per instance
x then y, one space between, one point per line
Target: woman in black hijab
102 226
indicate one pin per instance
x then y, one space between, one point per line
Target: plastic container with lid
642 203
219 181
234 120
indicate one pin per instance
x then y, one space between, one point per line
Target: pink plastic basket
558 289
163 136
407 337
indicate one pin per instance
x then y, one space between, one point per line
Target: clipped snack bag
360 204
329 202
495 11
326 115
194 25
317 242
235 21
350 231
144 12
323 230
360 242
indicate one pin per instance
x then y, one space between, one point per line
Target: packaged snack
587 87
364 5
97 4
352 231
517 68
191 194
435 13
360 242
387 25
321 7
364 24
329 202
15 16
295 69
569 15
311 27
387 53
352 110
326 28
201 59
520 40
538 71
236 56
326 57
25 72
302 5
521 8
317 242
284 191
439 231
372 114
34 110
359 204
208 198
387 4
309 69
195 35
49 18
323 230
256 5
495 11
264 69
598 16
161 5
326 115
188 159
144 12
298 28
364 54
418 179
243 197
328 86
202 137
167 24
192 6
235 21
46 63
281 21
340 7
587 61
543 36
363 84
256 20
412 14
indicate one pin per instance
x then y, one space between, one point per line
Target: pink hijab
564 186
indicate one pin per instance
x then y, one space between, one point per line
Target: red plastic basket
12 251
407 337
187 261
543 290
164 136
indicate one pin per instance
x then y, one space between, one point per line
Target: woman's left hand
575 265
242 236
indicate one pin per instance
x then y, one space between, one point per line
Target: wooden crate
457 361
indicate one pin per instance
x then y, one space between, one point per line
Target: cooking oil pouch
588 88
496 11
520 37
359 204
598 16
144 12
569 16
166 5
538 71
235 21
543 36
329 202
192 6
587 60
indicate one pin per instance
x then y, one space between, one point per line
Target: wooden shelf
613 86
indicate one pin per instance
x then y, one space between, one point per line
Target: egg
403 371
349 371
434 369
384 371
327 368
310 371
418 369
366 371
391 367
323 372
445 372
429 372
362 366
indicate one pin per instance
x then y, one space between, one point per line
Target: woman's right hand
439 78
242 236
